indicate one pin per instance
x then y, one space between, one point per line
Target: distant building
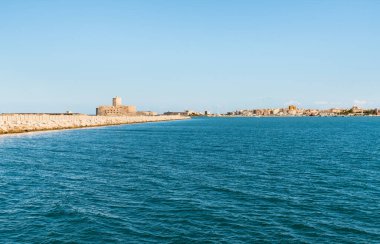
117 109
377 112
336 110
175 113
357 110
276 111
185 113
292 108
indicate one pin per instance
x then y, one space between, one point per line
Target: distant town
291 110
118 109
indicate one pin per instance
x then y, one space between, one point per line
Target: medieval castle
118 109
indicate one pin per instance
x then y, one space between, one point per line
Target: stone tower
116 101
117 109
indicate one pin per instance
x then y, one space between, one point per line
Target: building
357 110
185 113
117 109
176 113
192 113
377 112
336 111
275 111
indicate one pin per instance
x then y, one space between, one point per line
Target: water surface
214 180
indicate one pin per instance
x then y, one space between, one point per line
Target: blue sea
205 180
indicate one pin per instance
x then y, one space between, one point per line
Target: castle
117 109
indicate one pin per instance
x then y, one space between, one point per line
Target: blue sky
166 55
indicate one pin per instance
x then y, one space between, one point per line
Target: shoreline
46 124
289 116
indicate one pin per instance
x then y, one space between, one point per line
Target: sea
204 180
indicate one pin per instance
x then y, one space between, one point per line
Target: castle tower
116 101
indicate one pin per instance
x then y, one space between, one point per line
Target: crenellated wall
18 123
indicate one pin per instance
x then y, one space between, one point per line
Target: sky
170 55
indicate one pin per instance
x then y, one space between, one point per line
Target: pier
20 123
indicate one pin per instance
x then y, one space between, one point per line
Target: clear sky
163 55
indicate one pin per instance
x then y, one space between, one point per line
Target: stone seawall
19 123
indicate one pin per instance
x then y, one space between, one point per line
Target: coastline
288 116
20 124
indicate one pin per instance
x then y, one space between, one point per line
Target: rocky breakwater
19 123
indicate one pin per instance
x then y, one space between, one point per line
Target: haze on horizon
165 55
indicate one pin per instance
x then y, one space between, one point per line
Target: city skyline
201 55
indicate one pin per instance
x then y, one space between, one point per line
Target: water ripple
243 180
